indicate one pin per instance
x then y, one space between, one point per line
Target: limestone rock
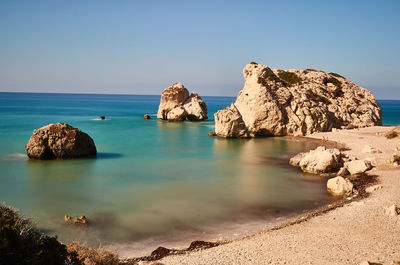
175 98
300 102
339 186
393 210
358 166
343 172
171 98
371 150
373 188
195 108
319 160
60 141
229 123
177 114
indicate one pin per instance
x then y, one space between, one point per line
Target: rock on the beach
298 102
319 160
370 150
195 108
393 210
339 186
358 166
373 188
175 98
229 123
177 114
60 141
343 172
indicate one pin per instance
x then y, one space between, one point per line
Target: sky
142 47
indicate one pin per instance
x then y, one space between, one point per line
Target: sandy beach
359 231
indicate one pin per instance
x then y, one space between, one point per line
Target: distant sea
152 178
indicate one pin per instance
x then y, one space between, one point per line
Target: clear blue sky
141 47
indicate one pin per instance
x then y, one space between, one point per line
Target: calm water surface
152 178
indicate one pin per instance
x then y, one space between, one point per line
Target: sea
153 182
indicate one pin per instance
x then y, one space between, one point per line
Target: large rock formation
177 105
60 141
298 102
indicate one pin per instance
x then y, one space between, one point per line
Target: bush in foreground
21 244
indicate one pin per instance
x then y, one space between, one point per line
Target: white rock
319 160
195 108
315 102
370 150
373 188
358 166
171 98
229 123
343 172
339 186
177 114
392 210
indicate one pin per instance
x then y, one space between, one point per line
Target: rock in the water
102 117
212 134
146 117
339 186
195 108
175 98
81 220
229 123
299 102
373 188
60 141
358 166
319 160
371 150
177 114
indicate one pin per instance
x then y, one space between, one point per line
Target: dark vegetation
253 63
335 74
318 98
391 134
20 243
336 82
289 78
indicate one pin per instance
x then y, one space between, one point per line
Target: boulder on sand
339 186
358 166
175 98
319 160
60 141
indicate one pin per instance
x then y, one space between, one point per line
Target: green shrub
335 74
21 244
336 82
318 98
253 63
289 78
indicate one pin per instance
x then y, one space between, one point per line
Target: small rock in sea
81 220
146 117
358 166
67 218
339 186
373 188
102 117
393 210
212 134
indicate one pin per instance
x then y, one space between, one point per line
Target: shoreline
233 250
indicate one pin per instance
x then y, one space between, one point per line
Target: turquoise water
151 177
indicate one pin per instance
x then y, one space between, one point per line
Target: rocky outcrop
60 141
358 166
230 123
339 186
177 105
298 102
319 160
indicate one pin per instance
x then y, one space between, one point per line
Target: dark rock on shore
60 141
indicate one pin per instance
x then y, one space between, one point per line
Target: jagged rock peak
177 105
277 102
